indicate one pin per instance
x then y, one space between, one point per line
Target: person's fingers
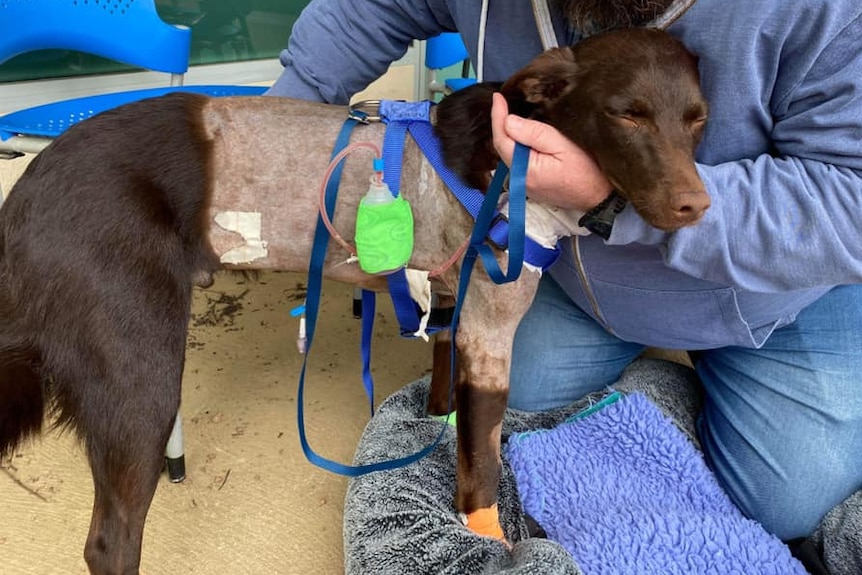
504 145
559 172
541 137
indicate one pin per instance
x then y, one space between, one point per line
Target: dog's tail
22 403
22 393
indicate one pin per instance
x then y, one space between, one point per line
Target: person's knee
781 425
791 510
786 482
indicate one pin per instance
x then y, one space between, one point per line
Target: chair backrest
441 52
128 31
444 50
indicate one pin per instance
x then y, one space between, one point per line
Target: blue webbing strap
470 198
399 117
404 306
393 146
368 310
405 312
484 219
486 216
312 307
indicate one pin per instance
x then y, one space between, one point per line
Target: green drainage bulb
384 230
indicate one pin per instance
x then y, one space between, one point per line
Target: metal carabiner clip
365 112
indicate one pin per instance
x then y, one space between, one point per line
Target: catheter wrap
384 232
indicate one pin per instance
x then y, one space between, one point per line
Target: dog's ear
541 83
463 124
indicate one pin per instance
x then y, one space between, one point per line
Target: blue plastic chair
126 31
443 51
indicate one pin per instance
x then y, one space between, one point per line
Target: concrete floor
251 502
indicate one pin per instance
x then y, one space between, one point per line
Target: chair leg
174 453
357 303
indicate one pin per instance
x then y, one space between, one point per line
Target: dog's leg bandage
485 522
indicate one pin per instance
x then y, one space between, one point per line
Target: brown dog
106 233
640 117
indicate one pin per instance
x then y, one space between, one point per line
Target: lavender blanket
625 492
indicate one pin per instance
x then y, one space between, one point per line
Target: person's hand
559 173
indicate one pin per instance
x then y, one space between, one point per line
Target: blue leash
312 306
485 218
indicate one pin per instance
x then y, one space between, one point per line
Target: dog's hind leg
126 455
441 370
489 319
126 419
22 395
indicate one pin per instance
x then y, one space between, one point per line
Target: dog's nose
688 207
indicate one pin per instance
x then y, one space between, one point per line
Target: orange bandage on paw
486 522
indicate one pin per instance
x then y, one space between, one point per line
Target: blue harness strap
483 209
472 199
404 306
415 118
484 220
398 116
312 307
369 305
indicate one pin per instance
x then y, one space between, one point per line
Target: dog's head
631 98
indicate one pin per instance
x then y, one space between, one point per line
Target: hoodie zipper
585 285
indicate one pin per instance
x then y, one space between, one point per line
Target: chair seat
51 120
456 84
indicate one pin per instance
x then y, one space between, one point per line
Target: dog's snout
689 207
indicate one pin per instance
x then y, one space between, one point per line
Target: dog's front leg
481 397
489 319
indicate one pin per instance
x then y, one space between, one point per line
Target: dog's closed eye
696 116
633 116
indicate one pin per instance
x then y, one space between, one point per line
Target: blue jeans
781 425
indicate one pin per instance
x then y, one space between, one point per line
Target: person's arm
792 219
338 47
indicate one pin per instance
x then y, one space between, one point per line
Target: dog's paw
485 522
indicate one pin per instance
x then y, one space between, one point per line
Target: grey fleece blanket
402 522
